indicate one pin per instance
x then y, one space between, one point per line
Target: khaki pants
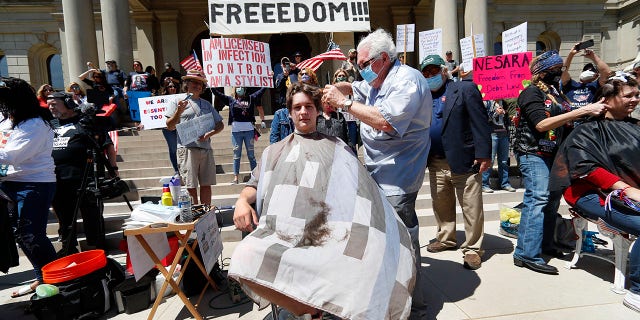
445 186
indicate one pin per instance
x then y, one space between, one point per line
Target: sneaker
632 301
509 188
438 246
487 190
472 260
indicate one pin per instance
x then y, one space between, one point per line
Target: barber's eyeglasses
368 62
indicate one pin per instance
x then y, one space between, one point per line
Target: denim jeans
33 200
499 147
405 206
237 138
537 221
352 131
589 204
171 136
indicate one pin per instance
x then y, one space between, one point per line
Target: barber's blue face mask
435 82
240 91
368 74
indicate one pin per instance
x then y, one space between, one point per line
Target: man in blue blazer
460 151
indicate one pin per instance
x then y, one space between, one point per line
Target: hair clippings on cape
620 75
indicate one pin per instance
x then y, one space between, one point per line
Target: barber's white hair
378 42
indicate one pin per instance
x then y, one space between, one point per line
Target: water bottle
184 203
587 241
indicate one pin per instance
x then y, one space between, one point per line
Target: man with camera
74 146
582 93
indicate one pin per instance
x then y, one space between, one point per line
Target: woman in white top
27 171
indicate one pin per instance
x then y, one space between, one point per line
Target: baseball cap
590 67
284 60
433 59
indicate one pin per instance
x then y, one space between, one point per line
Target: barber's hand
244 215
485 164
332 96
595 109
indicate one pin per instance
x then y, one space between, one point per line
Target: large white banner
405 33
429 42
514 40
233 17
236 62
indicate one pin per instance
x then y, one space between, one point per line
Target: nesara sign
234 17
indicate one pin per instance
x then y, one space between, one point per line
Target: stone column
169 37
79 30
116 32
145 39
445 16
475 14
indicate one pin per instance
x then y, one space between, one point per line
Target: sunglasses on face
47 89
75 87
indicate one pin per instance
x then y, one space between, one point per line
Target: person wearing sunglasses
79 97
42 94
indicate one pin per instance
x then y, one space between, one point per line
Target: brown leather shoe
438 246
472 261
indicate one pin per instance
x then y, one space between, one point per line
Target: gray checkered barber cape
327 236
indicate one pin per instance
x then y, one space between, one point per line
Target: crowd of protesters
404 120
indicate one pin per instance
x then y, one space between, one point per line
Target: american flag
315 62
191 62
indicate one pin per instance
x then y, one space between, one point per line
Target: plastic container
175 186
73 266
166 198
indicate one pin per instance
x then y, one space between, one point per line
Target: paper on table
140 260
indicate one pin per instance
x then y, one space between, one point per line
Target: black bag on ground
193 281
565 233
86 297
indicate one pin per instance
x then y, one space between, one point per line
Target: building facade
52 41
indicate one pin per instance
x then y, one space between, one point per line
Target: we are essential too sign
236 62
228 17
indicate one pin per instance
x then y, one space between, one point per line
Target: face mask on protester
305 78
341 79
552 77
368 74
240 91
588 76
435 82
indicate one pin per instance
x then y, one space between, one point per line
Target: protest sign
405 33
236 62
209 239
190 131
514 40
233 17
478 44
134 109
429 42
466 51
501 77
153 109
